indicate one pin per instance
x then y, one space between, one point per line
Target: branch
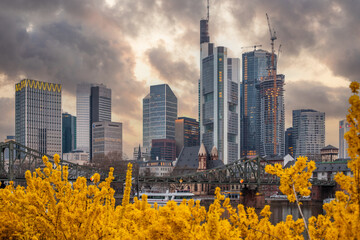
301 213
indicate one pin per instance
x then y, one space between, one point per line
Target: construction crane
254 46
278 55
272 72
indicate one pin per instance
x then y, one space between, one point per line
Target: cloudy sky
131 44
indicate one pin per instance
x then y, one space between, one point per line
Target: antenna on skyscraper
208 10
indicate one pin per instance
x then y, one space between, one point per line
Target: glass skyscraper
308 133
271 113
38 115
219 101
68 133
100 107
83 116
159 114
106 138
255 65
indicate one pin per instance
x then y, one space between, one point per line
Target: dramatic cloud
129 45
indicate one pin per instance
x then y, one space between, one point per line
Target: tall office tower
106 138
68 133
255 65
219 102
159 114
38 115
83 116
186 133
344 127
100 107
309 133
271 113
289 143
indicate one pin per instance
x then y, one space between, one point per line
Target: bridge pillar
252 198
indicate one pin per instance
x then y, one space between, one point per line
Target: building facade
100 107
255 65
38 115
219 101
68 133
271 113
289 142
186 133
344 127
83 91
309 133
106 138
163 149
159 114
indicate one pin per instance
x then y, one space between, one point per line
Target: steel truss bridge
16 159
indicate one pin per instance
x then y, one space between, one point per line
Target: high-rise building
186 133
309 133
159 114
344 127
219 101
219 98
106 138
255 65
38 115
83 91
100 107
289 142
163 149
271 113
68 133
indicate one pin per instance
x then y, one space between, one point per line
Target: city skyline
130 46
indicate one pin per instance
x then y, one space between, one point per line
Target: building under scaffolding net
271 116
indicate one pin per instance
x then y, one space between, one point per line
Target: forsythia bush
51 207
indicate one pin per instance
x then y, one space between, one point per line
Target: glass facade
106 138
38 116
68 133
271 113
309 133
159 114
255 67
100 107
219 102
83 116
186 133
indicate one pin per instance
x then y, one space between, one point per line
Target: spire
202 150
214 152
139 153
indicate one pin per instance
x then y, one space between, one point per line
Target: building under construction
271 116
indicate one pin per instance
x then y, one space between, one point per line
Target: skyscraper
100 107
271 113
186 133
83 116
344 127
38 115
255 65
68 133
309 133
219 101
159 114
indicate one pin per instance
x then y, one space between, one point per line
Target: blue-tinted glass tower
255 66
159 114
219 101
68 133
